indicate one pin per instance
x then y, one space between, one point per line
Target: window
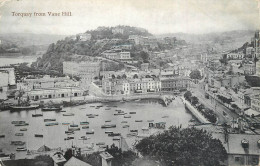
237 159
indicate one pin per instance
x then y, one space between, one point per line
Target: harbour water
5 61
53 136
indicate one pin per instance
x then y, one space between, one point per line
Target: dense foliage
188 146
195 74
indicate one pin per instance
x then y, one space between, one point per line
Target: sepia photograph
129 83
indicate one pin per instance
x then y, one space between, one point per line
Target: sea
8 60
53 136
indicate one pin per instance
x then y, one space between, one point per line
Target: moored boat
67 132
52 124
125 126
132 112
2 136
90 132
74 129
84 123
68 114
108 132
85 127
38 135
65 123
18 134
108 121
22 124
108 126
150 120
18 122
17 143
133 130
127 116
51 108
23 129
21 149
116 139
124 122
37 115
74 125
138 120
49 120
131 134
100 143
23 107
114 134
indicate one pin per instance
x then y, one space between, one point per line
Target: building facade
87 70
178 83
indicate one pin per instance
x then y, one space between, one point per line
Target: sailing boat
36 115
23 105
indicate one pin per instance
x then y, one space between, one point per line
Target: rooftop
233 146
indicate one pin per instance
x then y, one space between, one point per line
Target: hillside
219 41
102 38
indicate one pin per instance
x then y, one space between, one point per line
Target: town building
73 161
255 102
46 82
106 158
177 83
249 68
84 37
242 149
145 85
249 51
86 70
58 159
145 66
122 47
117 30
235 56
256 45
53 93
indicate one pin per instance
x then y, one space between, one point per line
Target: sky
157 16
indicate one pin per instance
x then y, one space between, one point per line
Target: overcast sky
157 16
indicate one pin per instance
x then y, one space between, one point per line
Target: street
215 106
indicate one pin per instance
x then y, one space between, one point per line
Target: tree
113 76
124 76
121 158
68 154
135 76
194 100
187 95
118 77
195 74
189 146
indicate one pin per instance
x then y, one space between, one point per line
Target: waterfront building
130 86
177 83
145 85
46 82
87 70
54 93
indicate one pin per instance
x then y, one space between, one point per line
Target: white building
87 70
235 56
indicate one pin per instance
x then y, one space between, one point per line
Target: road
214 105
